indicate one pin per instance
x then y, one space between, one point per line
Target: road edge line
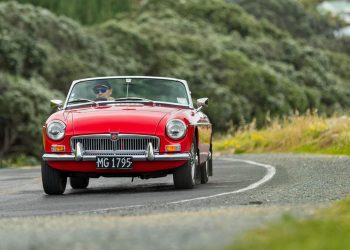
271 171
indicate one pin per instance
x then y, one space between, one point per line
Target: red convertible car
126 126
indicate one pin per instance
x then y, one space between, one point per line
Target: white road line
271 171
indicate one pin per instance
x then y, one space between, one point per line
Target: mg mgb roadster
144 127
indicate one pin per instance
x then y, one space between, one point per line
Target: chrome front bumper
149 155
160 157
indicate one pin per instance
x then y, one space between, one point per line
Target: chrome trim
56 104
150 152
78 154
200 123
57 121
202 102
101 146
157 157
129 103
166 128
184 82
132 77
109 136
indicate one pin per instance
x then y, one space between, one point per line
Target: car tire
206 169
185 176
205 172
54 181
79 182
211 161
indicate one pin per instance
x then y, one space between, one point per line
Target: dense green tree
35 41
24 107
84 11
302 20
289 15
226 54
249 63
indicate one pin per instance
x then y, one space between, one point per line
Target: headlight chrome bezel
169 132
62 126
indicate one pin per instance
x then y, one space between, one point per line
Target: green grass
296 134
328 229
18 161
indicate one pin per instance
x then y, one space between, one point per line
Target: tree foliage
84 11
247 67
34 41
289 15
300 19
22 112
249 63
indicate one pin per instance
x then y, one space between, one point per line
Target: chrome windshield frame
184 82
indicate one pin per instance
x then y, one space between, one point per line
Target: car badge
114 136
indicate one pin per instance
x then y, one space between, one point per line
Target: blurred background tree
23 108
251 58
85 11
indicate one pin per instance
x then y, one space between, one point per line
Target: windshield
129 90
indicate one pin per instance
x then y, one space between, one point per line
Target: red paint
139 167
126 119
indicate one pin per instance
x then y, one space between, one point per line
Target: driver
103 91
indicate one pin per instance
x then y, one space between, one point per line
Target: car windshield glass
130 90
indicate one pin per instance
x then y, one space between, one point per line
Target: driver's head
103 89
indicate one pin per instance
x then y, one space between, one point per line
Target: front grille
124 145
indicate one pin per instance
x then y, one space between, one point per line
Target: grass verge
328 229
18 161
297 134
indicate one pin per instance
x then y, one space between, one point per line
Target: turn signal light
58 148
173 148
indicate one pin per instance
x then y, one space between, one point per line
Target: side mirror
202 102
56 104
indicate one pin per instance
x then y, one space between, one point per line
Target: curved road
245 191
22 195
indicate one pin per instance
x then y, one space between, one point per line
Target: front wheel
79 182
54 181
207 168
205 172
185 176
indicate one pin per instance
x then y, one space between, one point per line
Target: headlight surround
176 129
56 130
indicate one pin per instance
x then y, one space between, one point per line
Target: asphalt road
114 213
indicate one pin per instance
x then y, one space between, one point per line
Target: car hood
136 119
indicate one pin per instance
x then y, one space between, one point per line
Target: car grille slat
124 145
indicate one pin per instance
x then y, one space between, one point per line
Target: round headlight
176 129
56 130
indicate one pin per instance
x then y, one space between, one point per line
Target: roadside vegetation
328 229
84 11
310 133
249 63
257 61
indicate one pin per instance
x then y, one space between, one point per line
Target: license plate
113 162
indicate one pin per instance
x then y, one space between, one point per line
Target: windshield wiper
82 100
122 99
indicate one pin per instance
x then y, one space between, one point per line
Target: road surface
115 213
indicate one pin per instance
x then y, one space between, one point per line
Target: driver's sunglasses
100 90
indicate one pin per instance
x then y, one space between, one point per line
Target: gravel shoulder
204 229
